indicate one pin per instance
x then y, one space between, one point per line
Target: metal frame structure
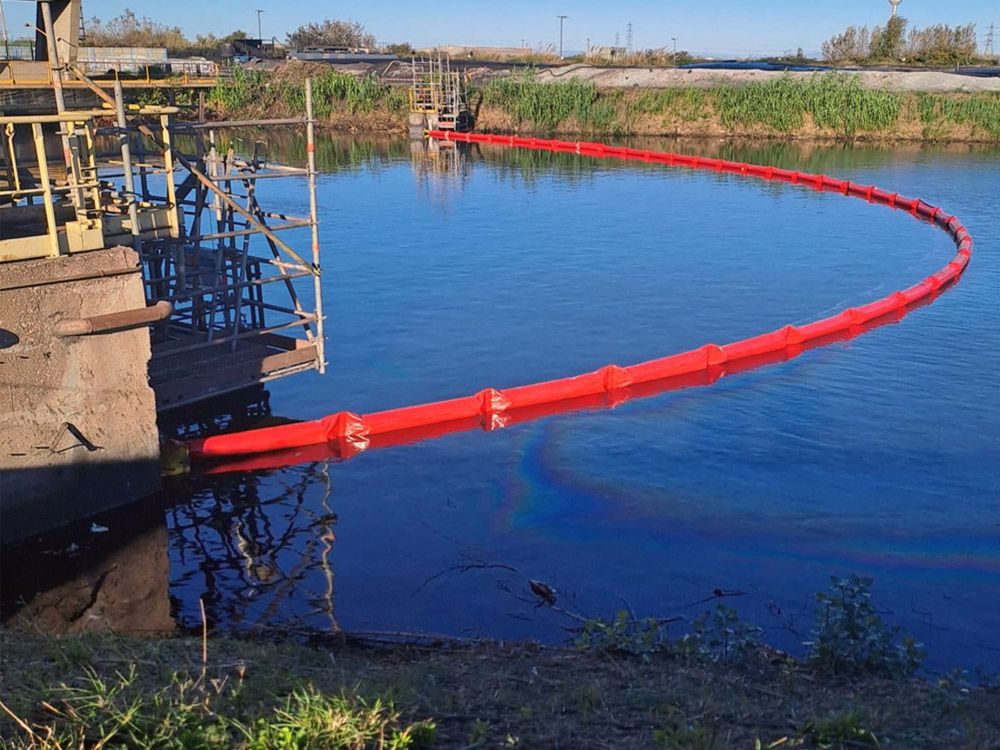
438 94
206 243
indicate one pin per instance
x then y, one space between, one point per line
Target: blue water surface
447 273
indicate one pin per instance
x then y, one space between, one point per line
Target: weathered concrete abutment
77 416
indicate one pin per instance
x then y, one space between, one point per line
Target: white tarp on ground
666 78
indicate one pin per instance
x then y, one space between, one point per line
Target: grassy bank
135 693
342 101
826 106
626 682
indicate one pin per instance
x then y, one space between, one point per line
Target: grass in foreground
113 692
627 684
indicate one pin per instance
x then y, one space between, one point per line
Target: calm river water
449 272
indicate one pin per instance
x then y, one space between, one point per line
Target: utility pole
628 36
3 28
988 47
561 19
260 34
675 50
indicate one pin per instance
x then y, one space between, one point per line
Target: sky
733 28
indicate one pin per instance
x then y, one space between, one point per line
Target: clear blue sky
724 27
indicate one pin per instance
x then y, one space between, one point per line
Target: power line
988 47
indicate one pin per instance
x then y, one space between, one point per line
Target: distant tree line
130 30
939 44
329 33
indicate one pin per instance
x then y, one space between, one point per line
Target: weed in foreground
625 634
851 638
310 719
720 635
840 730
192 714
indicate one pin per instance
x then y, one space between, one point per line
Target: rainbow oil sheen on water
447 271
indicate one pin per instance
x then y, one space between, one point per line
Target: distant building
152 61
608 53
491 53
252 49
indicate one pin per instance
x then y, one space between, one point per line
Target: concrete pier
77 415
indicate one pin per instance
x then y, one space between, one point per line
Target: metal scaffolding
247 307
438 95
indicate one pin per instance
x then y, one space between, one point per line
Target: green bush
720 635
851 638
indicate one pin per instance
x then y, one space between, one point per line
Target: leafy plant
839 730
624 634
720 635
687 736
851 638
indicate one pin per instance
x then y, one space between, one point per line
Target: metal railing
171 73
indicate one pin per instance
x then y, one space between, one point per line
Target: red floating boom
491 408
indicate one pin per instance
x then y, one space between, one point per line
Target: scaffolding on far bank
438 96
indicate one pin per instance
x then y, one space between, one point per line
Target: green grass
187 712
835 102
258 92
981 112
99 690
548 106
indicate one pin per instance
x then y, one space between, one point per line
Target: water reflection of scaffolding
431 156
438 97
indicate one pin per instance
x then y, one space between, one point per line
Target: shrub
851 638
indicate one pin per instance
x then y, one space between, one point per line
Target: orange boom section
345 433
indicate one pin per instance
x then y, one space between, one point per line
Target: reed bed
259 92
549 106
834 102
823 105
